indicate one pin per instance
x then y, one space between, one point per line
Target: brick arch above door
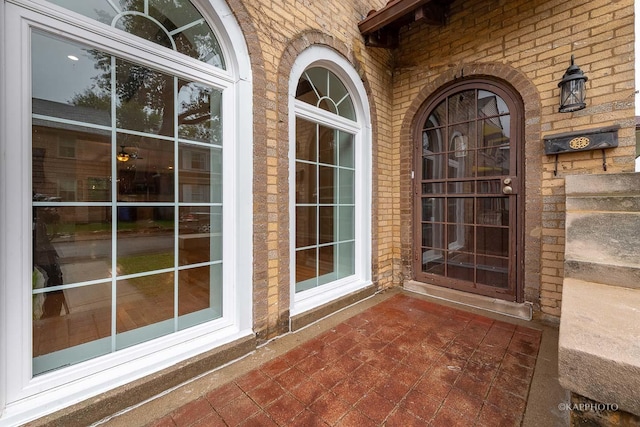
532 160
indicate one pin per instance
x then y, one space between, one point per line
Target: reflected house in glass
494 134
76 150
82 155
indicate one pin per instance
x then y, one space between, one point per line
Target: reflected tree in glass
145 101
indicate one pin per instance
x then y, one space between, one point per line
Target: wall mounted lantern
572 89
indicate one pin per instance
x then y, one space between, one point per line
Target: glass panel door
467 194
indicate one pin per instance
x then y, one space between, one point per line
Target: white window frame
321 56
23 398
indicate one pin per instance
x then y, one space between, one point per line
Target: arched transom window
175 24
322 88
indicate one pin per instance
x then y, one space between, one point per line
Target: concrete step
599 342
599 345
602 229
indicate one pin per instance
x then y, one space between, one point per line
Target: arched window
177 25
123 172
331 190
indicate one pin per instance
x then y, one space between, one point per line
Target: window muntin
174 24
323 89
120 264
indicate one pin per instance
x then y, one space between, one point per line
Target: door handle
507 189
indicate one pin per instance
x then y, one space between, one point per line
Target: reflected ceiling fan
123 156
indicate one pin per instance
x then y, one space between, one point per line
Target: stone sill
518 310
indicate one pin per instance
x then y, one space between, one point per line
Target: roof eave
389 14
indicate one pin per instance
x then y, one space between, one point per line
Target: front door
467 190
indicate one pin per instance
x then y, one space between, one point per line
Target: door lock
507 189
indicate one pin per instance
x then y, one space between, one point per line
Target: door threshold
508 308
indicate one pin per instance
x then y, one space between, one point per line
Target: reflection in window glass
494 271
305 140
148 174
490 104
438 116
74 318
306 183
200 169
145 239
144 28
117 233
462 107
200 235
63 178
494 132
199 295
199 115
145 308
306 226
71 243
346 150
145 99
70 82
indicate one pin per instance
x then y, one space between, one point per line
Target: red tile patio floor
404 362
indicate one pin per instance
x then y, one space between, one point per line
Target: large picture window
144 258
121 233
331 195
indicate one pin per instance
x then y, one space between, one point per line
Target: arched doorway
468 190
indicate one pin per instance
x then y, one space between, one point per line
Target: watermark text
588 407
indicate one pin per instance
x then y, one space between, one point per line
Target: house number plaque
579 143
593 139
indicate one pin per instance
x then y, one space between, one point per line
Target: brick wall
526 43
